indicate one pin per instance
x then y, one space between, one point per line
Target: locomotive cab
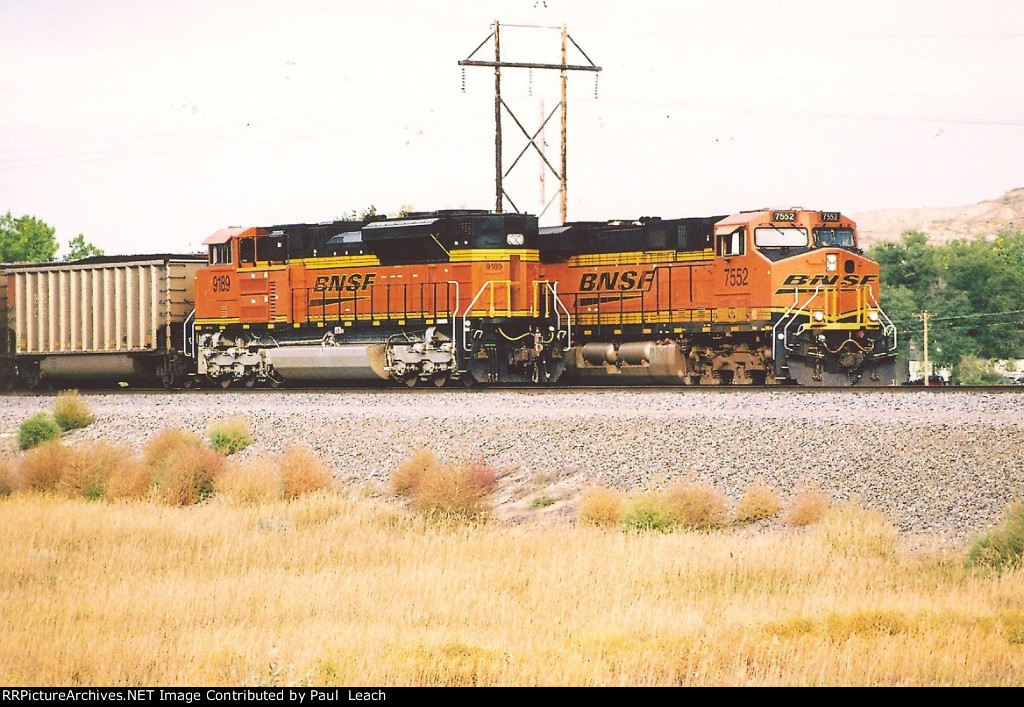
828 327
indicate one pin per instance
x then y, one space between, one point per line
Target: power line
974 315
204 139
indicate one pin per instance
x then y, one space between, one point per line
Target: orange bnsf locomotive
760 297
766 297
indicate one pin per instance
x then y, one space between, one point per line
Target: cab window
220 253
247 251
840 237
270 248
731 243
773 236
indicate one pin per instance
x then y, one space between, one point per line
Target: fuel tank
633 361
326 363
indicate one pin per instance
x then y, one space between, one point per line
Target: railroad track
399 390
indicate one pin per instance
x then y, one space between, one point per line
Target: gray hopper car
98 320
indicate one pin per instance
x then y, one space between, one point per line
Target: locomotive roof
226 234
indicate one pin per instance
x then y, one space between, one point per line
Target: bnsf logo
622 281
344 283
814 280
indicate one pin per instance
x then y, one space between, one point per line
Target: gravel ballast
937 464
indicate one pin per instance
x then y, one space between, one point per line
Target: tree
972 370
26 239
368 213
911 262
971 288
79 248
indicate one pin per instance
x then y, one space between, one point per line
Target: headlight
872 315
818 315
831 262
514 239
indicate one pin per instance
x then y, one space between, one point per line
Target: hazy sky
148 125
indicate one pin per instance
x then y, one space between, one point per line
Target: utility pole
924 316
500 195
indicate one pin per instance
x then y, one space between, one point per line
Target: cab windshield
774 237
835 237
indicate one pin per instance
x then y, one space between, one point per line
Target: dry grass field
186 562
329 589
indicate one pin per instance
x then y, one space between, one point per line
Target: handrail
455 312
556 302
318 303
553 287
889 330
785 315
469 309
185 338
794 314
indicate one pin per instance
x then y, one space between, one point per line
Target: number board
788 216
829 215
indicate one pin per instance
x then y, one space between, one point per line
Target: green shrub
688 505
71 412
543 501
1011 626
37 429
1003 546
972 370
230 435
649 511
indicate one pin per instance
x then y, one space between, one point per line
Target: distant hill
942 224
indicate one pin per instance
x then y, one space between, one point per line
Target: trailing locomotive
765 297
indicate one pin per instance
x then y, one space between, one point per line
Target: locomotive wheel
225 382
440 380
189 383
250 379
468 381
411 381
